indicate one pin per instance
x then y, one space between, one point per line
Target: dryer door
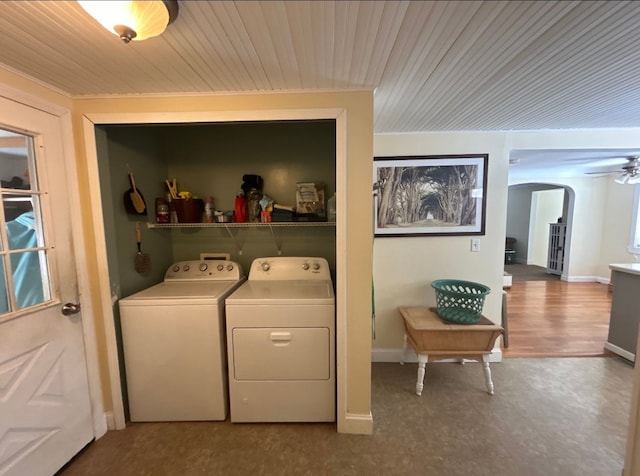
281 353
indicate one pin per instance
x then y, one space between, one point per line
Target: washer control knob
176 268
229 267
316 266
186 268
220 267
305 266
204 267
265 266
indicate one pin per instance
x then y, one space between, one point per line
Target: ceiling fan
628 173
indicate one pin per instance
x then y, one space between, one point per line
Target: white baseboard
356 424
111 421
619 351
580 279
394 355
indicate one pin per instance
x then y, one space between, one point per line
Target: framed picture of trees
430 195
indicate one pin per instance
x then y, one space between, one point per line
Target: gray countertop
631 268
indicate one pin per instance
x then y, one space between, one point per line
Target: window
24 274
634 241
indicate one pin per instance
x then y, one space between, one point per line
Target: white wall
616 227
404 267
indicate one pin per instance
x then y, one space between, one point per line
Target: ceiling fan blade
606 172
621 158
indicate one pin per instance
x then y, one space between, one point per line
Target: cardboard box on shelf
310 200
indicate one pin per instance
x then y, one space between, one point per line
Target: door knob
70 308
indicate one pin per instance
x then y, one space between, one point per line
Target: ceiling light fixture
629 174
132 19
631 178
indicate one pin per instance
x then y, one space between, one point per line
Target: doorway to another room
548 317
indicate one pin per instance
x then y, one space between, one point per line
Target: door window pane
27 278
24 278
15 205
21 227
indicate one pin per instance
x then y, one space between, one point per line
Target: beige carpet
561 417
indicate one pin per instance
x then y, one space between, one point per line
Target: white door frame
88 324
91 120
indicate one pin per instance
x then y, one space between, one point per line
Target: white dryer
173 339
281 342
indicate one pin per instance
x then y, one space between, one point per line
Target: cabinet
625 315
555 255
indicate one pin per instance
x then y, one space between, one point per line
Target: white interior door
45 412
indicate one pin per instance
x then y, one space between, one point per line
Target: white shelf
278 224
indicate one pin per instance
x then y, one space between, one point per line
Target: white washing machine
281 342
173 338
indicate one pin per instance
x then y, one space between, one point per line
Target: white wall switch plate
475 244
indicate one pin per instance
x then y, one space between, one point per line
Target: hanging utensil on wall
142 262
133 200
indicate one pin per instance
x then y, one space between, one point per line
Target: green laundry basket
459 302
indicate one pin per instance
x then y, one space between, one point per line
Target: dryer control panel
290 268
205 270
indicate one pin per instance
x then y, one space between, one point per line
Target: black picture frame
430 195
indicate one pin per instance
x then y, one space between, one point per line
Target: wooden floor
557 319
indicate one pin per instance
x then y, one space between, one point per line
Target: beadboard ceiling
434 66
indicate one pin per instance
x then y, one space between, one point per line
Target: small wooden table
436 339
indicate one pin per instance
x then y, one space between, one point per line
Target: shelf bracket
275 240
235 240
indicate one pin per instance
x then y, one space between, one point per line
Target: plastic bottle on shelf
240 210
331 208
209 208
253 205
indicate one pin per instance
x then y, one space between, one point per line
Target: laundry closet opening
209 160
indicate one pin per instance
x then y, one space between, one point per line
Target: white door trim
88 324
90 120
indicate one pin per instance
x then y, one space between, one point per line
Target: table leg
404 350
422 362
487 373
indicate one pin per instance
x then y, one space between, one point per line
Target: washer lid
184 290
286 292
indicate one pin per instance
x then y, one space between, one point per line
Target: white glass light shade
622 179
144 18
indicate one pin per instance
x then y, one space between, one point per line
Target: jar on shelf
253 205
163 211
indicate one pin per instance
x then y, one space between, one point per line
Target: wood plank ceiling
434 65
